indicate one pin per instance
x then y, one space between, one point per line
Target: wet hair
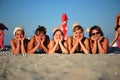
58 30
95 28
77 27
40 29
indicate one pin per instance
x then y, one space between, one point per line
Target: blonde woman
19 42
78 43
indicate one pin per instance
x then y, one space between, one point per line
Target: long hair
40 29
77 27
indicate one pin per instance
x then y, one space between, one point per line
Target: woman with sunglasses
98 43
117 31
78 43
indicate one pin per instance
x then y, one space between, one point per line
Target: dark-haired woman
98 43
78 43
39 42
58 44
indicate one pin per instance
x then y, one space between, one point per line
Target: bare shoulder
51 44
70 38
105 39
86 39
12 41
32 39
52 41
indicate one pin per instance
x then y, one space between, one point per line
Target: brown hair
77 27
58 30
95 28
40 29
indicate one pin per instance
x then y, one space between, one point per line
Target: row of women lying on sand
40 42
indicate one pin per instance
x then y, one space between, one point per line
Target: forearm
45 48
64 50
101 49
23 48
86 51
17 50
32 50
73 48
52 50
94 48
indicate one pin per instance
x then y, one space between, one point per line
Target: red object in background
1 39
119 42
2 28
64 25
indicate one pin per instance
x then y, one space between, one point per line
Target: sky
31 13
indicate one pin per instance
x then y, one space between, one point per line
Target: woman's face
78 34
96 34
41 35
58 36
19 35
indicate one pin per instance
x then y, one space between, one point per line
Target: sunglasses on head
95 33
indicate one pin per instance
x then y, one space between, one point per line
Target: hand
56 40
100 38
92 38
110 44
81 37
23 39
42 40
76 39
61 39
17 41
37 39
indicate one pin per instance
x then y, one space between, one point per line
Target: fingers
100 38
37 39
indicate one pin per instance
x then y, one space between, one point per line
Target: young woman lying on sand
98 43
19 42
39 42
58 44
78 43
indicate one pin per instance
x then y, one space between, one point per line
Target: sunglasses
95 33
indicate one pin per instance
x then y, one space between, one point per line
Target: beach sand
59 67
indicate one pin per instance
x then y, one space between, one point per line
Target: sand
59 67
